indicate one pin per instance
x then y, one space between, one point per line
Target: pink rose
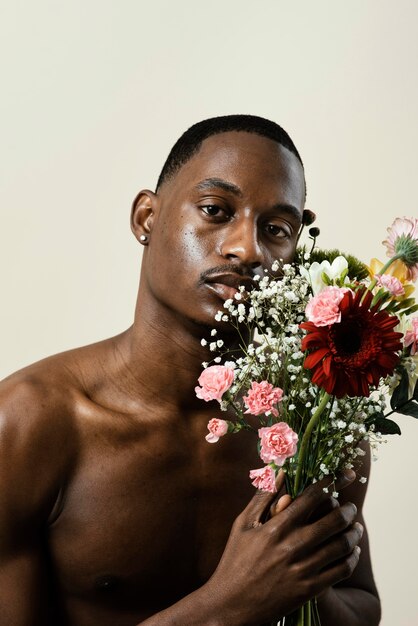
323 309
278 442
391 283
411 336
262 397
214 381
264 479
217 428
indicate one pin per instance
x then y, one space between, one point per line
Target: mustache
226 269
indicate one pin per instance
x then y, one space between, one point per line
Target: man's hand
269 569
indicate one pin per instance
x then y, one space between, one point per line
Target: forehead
257 165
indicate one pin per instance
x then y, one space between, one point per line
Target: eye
213 210
277 231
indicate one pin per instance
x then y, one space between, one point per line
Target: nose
241 243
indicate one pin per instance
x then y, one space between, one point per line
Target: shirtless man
114 510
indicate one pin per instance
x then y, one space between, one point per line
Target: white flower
217 359
212 346
219 343
349 438
335 494
332 271
324 469
363 480
213 332
218 316
203 342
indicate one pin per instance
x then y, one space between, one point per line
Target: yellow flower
396 269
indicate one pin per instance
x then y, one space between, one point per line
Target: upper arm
32 462
362 577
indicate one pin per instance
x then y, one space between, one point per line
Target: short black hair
190 142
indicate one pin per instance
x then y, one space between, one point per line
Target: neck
162 355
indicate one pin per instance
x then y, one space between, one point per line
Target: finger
337 549
332 525
314 496
339 571
281 491
323 509
259 504
283 503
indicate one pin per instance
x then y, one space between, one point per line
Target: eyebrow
210 183
291 210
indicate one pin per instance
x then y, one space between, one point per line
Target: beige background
93 95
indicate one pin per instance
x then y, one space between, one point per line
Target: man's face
231 211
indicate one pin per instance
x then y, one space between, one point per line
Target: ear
143 212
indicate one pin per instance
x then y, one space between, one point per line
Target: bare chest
145 518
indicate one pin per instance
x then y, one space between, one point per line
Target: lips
227 285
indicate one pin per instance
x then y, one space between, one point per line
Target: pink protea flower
214 381
262 398
391 283
277 443
323 309
264 479
411 337
217 428
403 240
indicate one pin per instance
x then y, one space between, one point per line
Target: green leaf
410 408
404 304
411 310
386 426
381 297
400 395
326 279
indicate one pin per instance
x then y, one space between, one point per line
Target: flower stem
305 440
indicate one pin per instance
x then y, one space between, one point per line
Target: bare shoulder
39 410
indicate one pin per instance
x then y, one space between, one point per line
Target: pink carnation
403 227
214 381
278 442
391 283
264 479
323 309
262 397
411 336
217 428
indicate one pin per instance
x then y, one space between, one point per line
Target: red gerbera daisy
347 357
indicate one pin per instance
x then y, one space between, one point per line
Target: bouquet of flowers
322 343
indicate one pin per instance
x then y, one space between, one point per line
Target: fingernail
357 549
349 474
359 527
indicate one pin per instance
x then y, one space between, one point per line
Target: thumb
260 503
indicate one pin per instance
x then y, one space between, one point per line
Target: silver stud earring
143 238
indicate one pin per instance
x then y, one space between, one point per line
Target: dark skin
114 510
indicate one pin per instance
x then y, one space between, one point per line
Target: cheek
286 252
180 250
